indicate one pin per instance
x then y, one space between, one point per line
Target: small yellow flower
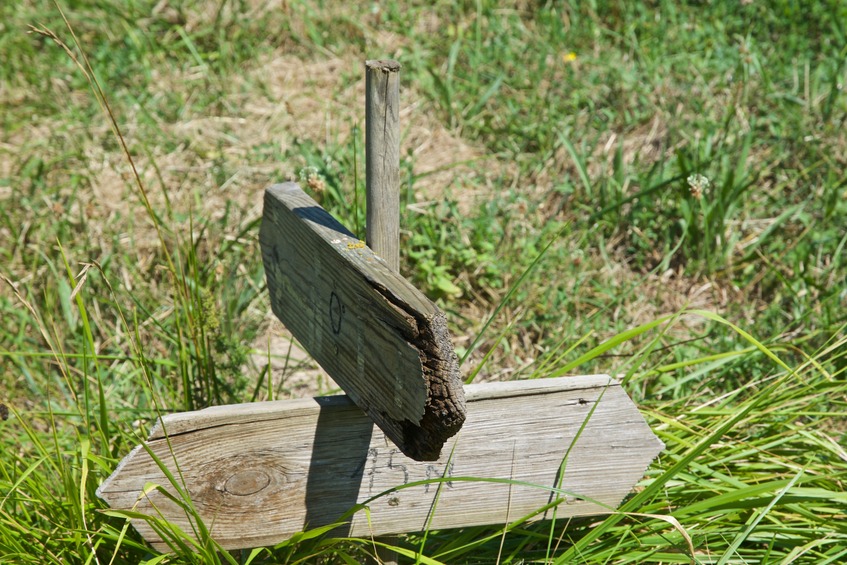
569 57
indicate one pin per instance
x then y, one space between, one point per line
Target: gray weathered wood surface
379 338
259 473
382 155
382 159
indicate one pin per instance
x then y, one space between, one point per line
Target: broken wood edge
445 410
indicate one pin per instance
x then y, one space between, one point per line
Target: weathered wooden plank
378 337
382 159
258 473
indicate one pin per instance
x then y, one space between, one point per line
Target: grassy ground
678 157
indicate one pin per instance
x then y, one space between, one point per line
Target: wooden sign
375 334
259 473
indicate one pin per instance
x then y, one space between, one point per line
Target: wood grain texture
382 159
379 338
259 473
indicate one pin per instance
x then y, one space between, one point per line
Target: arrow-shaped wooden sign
259 473
378 336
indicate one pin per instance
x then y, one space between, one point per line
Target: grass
570 129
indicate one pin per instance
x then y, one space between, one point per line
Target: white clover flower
697 183
312 178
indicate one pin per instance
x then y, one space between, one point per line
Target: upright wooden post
382 159
382 181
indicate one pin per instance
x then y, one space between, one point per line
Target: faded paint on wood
379 338
259 473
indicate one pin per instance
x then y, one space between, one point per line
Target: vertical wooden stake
382 182
382 159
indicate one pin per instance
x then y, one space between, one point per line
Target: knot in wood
248 482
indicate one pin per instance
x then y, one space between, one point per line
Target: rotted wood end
445 408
